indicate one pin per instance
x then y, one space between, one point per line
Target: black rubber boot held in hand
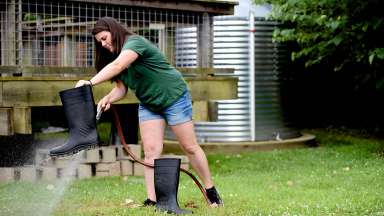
167 173
79 109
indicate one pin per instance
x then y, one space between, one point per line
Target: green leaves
331 30
376 53
336 40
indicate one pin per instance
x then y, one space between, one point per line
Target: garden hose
130 153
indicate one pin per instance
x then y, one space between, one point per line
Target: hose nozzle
99 112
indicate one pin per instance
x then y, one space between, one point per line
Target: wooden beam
213 7
8 36
6 122
1 94
200 111
44 91
215 88
234 2
22 120
205 41
71 72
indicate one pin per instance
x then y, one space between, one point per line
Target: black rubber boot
167 173
80 111
149 202
214 196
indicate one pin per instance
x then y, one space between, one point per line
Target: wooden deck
24 88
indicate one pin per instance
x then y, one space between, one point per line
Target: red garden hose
130 153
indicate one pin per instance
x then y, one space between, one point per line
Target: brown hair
118 33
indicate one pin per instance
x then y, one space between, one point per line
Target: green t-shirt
155 82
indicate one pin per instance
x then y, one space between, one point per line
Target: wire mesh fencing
58 33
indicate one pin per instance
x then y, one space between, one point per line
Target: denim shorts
178 112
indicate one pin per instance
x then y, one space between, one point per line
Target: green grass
343 176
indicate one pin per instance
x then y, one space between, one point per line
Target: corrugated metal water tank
270 62
231 50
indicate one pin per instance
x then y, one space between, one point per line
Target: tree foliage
341 43
335 32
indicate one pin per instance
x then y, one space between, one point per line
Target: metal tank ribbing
231 50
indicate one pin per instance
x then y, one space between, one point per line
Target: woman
133 62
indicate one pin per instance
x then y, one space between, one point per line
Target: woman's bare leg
152 134
185 134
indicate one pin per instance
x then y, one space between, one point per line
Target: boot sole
75 150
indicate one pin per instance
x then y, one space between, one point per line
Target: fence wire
58 33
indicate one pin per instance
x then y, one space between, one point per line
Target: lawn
344 175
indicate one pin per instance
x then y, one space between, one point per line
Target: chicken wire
58 33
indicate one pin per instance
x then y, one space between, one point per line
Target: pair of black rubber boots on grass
79 109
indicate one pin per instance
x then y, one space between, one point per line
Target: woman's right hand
82 83
104 104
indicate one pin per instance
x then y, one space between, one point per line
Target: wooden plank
8 36
46 92
70 73
22 120
46 71
200 111
6 122
209 6
1 94
33 91
235 2
205 89
205 41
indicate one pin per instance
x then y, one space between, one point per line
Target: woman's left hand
82 82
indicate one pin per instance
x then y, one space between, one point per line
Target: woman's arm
116 94
125 58
112 69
